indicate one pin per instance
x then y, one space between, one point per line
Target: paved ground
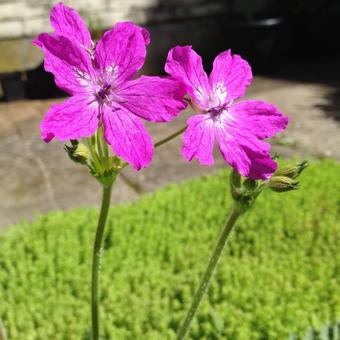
38 177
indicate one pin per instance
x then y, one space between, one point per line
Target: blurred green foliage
327 332
279 275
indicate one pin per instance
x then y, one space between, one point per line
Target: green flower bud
282 184
292 171
78 152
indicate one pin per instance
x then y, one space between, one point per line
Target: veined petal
261 119
185 64
77 117
122 49
64 49
153 98
231 72
70 65
198 140
261 167
67 22
127 136
243 151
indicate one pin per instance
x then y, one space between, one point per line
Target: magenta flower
99 78
238 128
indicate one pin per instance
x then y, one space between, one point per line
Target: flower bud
292 171
282 184
78 152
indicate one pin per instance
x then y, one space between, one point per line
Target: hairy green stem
96 260
169 138
165 140
209 272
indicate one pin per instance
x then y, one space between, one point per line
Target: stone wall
196 22
20 18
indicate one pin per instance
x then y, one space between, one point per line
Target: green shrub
280 274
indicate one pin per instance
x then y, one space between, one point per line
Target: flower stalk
166 140
169 138
244 193
235 213
97 257
105 170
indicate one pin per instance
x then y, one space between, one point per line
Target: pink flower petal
185 64
67 22
244 152
66 50
198 140
145 34
127 136
76 117
232 72
261 119
261 167
122 49
153 98
65 60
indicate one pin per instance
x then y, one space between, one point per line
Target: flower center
217 100
104 92
218 96
215 112
106 85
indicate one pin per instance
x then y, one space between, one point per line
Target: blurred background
293 47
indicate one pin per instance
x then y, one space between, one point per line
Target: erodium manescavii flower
99 80
238 127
